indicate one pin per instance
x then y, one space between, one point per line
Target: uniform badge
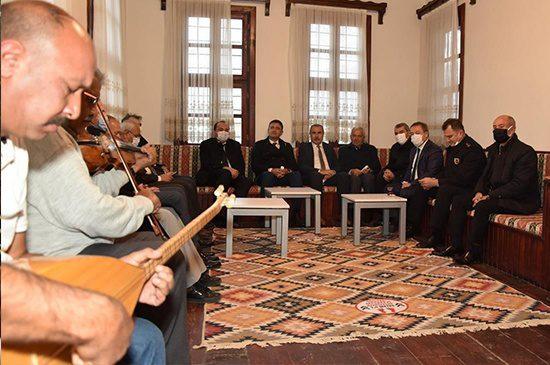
456 160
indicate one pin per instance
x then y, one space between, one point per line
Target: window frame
247 80
462 26
336 68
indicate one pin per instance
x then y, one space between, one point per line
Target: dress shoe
410 232
430 242
448 252
197 294
207 280
211 264
467 259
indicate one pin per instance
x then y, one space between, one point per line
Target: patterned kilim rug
311 295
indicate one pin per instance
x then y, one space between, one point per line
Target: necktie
415 166
276 144
323 165
225 160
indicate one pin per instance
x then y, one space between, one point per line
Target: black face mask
501 135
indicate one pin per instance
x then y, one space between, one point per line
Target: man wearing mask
464 163
360 161
425 160
318 163
392 174
508 185
222 162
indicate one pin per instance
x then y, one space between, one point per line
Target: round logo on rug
381 306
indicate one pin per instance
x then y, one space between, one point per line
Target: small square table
373 201
306 193
264 207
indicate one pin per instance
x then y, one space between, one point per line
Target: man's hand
388 175
279 173
108 337
405 184
428 182
148 193
159 285
167 176
234 172
479 197
355 172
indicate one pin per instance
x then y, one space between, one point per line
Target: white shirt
317 158
15 166
415 177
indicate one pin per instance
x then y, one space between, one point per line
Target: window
335 49
242 68
461 36
243 34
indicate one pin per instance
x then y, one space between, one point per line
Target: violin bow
153 221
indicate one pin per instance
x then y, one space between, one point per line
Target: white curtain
328 69
109 33
439 68
198 78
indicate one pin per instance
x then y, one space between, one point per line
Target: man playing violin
40 88
72 213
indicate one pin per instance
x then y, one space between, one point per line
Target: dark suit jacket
430 162
517 184
265 156
142 141
350 157
305 158
399 159
464 164
212 155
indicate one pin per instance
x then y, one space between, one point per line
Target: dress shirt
317 158
414 159
15 166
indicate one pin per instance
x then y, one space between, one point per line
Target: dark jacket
464 164
429 164
212 155
351 157
265 155
512 175
399 159
142 141
305 158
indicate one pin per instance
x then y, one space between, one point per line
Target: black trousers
381 185
223 177
175 196
446 196
315 181
169 317
365 181
417 200
480 220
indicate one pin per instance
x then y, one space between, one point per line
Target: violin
99 152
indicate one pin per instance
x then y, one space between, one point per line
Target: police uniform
464 164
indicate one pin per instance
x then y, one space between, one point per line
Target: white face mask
222 136
416 139
401 138
135 141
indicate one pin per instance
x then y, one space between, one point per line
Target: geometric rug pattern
310 296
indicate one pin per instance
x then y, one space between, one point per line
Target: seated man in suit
425 160
464 163
318 163
508 185
392 174
360 161
222 162
273 160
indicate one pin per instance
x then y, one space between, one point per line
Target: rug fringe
378 335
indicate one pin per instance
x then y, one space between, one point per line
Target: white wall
507 68
394 66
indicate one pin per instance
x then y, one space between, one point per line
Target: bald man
508 185
46 61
